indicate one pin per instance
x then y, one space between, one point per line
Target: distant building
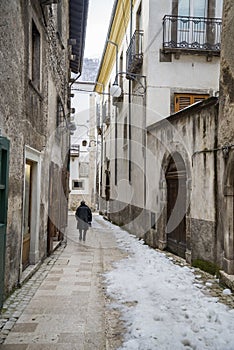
84 148
89 69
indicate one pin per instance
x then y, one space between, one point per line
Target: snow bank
163 305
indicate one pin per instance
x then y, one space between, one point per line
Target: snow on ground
163 305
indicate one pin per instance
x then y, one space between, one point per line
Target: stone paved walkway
64 306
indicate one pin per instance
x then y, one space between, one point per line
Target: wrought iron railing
74 150
134 54
192 33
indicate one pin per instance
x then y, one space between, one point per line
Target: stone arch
181 159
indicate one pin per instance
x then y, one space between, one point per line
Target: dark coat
83 217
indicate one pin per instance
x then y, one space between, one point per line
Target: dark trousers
84 234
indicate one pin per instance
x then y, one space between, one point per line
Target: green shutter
4 170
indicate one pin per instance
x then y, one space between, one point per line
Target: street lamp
116 91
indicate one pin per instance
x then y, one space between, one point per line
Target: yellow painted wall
117 32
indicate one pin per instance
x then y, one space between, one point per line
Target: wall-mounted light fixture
72 126
116 90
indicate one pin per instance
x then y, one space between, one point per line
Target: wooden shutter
184 100
197 98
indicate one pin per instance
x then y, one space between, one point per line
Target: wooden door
176 207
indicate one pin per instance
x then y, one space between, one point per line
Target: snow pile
162 303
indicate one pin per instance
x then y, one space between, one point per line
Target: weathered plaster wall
12 107
225 189
191 133
24 111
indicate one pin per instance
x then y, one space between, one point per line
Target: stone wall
225 155
192 134
25 118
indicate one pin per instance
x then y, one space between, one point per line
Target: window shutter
199 98
184 100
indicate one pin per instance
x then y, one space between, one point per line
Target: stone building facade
225 155
34 119
167 172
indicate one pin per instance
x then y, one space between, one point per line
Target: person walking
84 219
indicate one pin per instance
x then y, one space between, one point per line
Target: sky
164 306
97 27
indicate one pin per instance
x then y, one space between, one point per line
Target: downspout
216 205
130 109
144 142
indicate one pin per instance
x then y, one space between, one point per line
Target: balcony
192 34
134 53
74 150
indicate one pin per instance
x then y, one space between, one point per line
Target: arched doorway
176 205
228 217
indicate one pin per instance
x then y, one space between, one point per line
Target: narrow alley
76 300
63 305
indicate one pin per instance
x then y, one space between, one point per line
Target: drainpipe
144 142
130 108
116 58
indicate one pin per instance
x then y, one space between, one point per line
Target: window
185 100
84 169
194 8
187 29
36 50
77 185
60 113
219 8
60 118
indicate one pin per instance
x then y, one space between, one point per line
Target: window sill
187 51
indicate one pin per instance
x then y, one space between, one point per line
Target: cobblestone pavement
19 299
64 305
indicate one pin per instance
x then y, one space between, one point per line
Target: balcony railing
192 33
134 53
74 150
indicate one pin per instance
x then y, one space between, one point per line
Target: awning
78 23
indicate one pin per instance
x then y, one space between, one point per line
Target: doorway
27 213
176 205
190 31
228 218
4 170
31 205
